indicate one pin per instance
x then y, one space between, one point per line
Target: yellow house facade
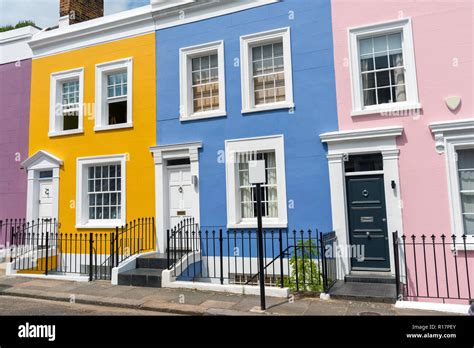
91 125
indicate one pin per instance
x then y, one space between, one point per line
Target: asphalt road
26 306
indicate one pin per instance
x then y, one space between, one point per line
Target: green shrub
20 24
310 279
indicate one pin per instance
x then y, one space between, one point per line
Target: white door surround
161 155
363 141
40 162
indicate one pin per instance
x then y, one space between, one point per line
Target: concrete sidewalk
190 302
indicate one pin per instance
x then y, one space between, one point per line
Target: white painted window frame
101 72
355 34
56 81
451 136
246 44
82 211
186 54
232 148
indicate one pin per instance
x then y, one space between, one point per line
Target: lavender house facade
15 79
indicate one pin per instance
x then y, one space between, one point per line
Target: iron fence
295 259
7 226
39 247
434 267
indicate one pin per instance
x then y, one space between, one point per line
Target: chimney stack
77 11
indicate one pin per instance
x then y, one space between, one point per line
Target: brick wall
81 10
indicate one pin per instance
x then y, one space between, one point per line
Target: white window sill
104 224
387 108
460 246
64 133
268 107
203 115
113 127
253 225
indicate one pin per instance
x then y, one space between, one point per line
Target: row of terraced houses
361 110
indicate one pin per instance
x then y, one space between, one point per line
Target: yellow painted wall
140 200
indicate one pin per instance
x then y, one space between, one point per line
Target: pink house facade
403 158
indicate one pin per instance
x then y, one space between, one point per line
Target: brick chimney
77 11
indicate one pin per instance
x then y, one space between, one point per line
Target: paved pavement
181 301
32 307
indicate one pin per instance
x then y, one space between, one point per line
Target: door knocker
180 190
365 193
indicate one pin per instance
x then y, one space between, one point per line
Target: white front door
180 194
45 207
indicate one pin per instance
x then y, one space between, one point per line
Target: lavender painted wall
15 81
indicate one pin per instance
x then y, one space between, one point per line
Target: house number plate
366 219
181 212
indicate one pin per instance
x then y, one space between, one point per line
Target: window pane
383 79
205 62
397 76
467 202
384 95
196 64
380 44
369 97
205 83
267 51
388 58
395 41
469 224
104 203
214 61
366 46
381 61
466 159
396 59
269 189
364 163
117 112
367 63
368 80
278 49
268 72
399 93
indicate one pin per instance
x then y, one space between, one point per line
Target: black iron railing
39 247
133 238
7 227
435 267
292 259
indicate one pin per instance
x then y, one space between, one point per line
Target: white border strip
432 306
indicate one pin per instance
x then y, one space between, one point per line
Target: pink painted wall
442 35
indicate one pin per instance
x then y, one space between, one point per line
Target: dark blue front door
368 222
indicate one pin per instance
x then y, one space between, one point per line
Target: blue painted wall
314 97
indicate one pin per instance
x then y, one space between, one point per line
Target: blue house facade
252 84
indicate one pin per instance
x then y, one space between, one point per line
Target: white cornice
358 134
175 147
187 11
96 31
139 21
449 126
39 156
14 44
18 34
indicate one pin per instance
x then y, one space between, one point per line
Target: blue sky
45 13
